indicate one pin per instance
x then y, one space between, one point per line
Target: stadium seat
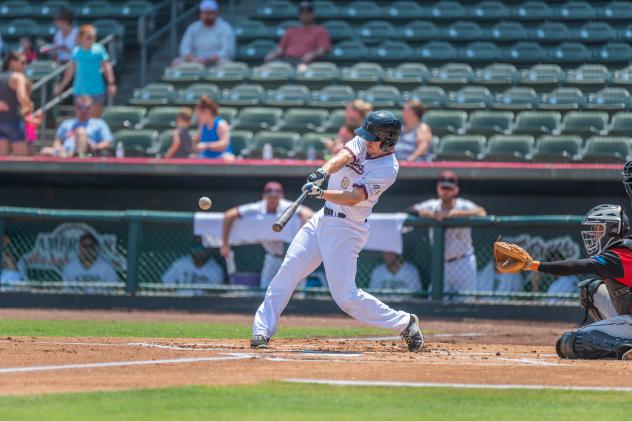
362 74
304 119
563 99
437 51
497 76
153 94
361 10
480 52
536 11
244 94
161 118
614 52
283 143
463 31
616 10
447 10
588 77
543 77
277 9
420 30
557 149
258 118
48 8
404 10
15 9
407 74
120 117
431 96
470 98
22 27
621 124
240 140
350 51
576 10
460 148
135 8
594 32
319 74
255 50
326 9
192 94
614 150
315 141
488 123
161 145
570 52
446 122
452 75
508 32
518 98
289 96
524 52
537 123
39 69
552 32
252 29
609 99
228 74
490 10
95 9
272 73
335 120
333 96
383 96
228 113
585 123
396 51
509 148
376 31
338 29
623 77
184 73
136 142
107 27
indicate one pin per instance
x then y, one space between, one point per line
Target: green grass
282 401
168 330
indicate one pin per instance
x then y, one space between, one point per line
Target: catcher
607 299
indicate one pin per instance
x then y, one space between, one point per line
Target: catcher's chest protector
620 294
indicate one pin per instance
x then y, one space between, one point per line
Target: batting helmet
381 126
627 178
607 223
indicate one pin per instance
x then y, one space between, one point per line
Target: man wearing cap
272 202
460 261
210 40
303 44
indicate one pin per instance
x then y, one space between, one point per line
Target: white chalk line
459 385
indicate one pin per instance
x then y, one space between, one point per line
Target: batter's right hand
224 251
317 177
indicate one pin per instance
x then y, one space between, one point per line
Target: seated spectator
65 37
491 281
416 137
213 136
88 266
196 269
355 112
10 275
181 141
89 63
27 47
564 285
303 44
395 273
82 135
210 40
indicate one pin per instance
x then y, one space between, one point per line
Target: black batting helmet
381 126
607 223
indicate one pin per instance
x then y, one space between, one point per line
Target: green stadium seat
460 148
623 77
107 27
376 31
570 52
614 150
161 118
228 73
431 96
536 11
240 140
135 8
488 123
316 141
614 52
593 32
404 10
543 77
383 96
463 31
616 10
272 73
490 10
136 142
333 96
537 123
121 117
508 32
319 74
184 73
576 10
326 9
253 29
437 51
283 143
420 30
161 146
244 94
525 52
289 96
563 99
509 148
362 74
392 51
335 120
470 97
447 10
258 118
48 8
255 50
588 77
408 74
39 69
192 94
348 51
95 9
338 29
304 119
443 122
552 32
481 52
153 94
278 9
585 123
15 9
361 10
497 76
452 75
20 28
610 99
228 113
621 124
518 98
557 149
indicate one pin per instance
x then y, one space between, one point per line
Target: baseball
205 203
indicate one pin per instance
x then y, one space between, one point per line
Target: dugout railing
140 246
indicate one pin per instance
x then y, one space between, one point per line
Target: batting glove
313 190
317 177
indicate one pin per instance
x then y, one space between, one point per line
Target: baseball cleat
627 356
259 342
412 335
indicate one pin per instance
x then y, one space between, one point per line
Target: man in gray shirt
210 40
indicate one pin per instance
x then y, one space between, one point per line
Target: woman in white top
416 137
66 35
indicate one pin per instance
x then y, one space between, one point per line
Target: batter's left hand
317 177
313 190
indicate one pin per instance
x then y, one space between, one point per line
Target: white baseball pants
336 242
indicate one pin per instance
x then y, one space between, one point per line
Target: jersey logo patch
357 167
345 182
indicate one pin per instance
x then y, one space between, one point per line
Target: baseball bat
287 214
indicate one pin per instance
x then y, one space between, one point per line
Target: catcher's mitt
511 258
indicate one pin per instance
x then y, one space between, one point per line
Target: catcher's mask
606 223
627 178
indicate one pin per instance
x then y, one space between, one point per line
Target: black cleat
259 342
412 335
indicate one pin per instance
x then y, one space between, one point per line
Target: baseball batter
358 175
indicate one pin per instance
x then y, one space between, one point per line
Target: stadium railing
141 246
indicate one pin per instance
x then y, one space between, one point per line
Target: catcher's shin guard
591 345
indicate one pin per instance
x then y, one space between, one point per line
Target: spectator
27 48
88 266
210 40
303 44
213 136
181 141
272 202
89 62
14 104
564 285
82 135
395 273
10 275
355 112
416 137
32 122
66 36
1 45
198 268
460 261
491 281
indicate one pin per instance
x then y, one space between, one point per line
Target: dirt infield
468 351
